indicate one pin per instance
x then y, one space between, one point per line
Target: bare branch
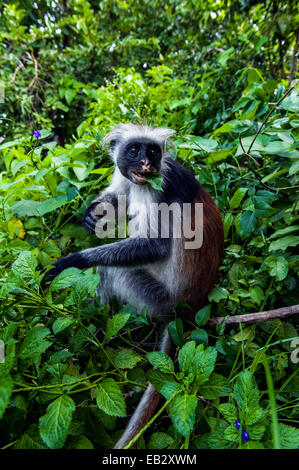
248 318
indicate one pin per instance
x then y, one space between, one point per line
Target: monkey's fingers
69 261
90 219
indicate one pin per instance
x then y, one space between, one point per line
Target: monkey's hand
73 260
97 210
90 219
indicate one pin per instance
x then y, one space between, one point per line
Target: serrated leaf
289 436
30 439
229 411
246 392
116 323
182 413
110 398
158 378
168 389
6 387
217 386
25 265
53 426
66 278
186 356
34 343
161 361
204 363
159 440
61 324
126 359
231 433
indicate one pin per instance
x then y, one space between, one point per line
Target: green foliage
72 371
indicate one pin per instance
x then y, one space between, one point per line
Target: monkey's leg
136 287
148 403
139 288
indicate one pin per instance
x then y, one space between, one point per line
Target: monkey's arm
129 252
91 216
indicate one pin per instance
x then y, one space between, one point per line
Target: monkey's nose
145 165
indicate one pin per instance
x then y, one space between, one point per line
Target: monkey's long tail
148 403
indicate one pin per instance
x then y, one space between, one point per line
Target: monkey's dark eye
153 152
133 149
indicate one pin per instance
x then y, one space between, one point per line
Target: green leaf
34 343
227 223
168 389
53 426
217 294
6 387
159 440
126 359
289 436
237 198
217 386
204 363
182 413
278 267
161 361
25 265
61 324
246 392
176 330
248 223
158 379
30 439
203 315
284 243
116 323
200 336
155 182
291 103
256 294
66 279
229 411
110 398
186 356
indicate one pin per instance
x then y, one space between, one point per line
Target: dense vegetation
213 71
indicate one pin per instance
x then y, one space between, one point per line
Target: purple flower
237 424
36 133
245 435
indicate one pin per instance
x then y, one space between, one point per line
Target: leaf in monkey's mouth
155 180
146 176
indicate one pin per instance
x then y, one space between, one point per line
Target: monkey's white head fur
127 132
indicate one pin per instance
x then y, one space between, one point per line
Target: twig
247 318
35 78
269 114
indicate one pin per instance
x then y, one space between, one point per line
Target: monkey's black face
139 159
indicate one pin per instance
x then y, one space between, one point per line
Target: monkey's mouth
140 176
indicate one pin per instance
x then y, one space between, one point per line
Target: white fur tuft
125 132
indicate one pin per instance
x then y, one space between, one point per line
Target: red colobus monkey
149 269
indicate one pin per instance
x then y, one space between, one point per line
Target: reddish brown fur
201 266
